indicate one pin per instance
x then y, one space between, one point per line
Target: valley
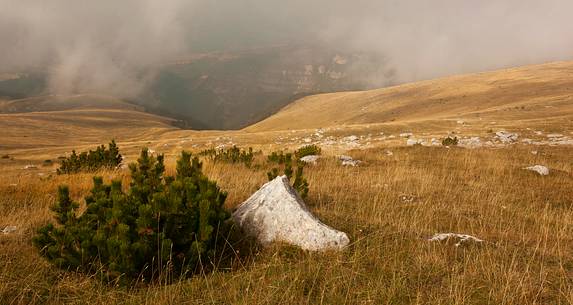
406 188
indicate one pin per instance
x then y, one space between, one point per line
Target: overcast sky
101 44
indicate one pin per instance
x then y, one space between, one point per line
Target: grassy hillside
389 205
534 93
63 121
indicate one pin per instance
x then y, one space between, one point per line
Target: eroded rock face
277 213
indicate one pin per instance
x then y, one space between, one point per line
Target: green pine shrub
449 141
307 150
91 161
231 155
300 184
279 157
160 225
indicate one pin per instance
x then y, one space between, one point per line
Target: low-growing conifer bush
449 141
279 157
300 184
91 161
307 150
230 155
159 224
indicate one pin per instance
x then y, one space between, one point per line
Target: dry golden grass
525 219
536 95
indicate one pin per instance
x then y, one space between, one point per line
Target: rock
30 167
555 135
348 161
540 169
472 142
527 141
277 213
307 140
351 138
310 159
459 238
407 198
435 142
388 153
406 135
506 137
412 142
351 163
9 229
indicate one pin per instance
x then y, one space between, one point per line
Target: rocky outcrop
277 213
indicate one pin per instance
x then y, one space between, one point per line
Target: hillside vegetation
407 187
532 93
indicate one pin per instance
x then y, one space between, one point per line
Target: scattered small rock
310 159
408 198
9 229
472 142
27 167
459 238
540 169
349 161
352 138
555 135
412 142
506 137
406 134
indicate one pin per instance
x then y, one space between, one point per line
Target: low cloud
107 46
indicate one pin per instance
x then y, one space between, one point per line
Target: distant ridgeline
17 86
235 89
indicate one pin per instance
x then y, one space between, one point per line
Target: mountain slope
541 92
76 120
231 90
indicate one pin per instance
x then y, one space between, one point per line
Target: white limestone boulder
277 213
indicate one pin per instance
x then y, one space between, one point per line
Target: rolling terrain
535 95
390 205
232 89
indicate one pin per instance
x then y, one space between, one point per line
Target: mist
109 46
